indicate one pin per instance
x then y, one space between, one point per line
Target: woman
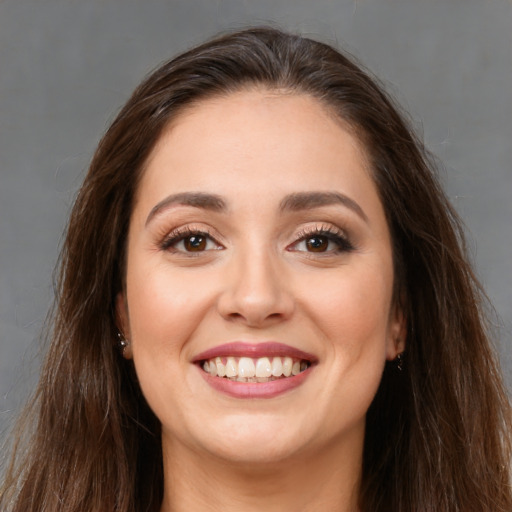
264 303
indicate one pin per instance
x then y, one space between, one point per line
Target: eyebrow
210 202
309 200
293 202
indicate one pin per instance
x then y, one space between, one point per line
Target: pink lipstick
242 349
249 370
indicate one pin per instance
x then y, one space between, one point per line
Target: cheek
353 308
350 312
165 308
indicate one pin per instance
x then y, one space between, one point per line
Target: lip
254 350
247 390
255 389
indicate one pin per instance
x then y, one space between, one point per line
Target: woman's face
259 281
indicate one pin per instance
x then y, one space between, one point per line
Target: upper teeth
247 368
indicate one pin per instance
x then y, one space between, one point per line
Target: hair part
438 434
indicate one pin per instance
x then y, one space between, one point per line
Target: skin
257 280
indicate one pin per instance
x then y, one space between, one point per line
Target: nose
256 292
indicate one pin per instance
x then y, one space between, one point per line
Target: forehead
258 143
260 110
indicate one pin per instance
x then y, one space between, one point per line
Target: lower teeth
254 379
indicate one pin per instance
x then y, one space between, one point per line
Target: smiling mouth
247 369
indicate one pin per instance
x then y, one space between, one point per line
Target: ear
123 324
397 333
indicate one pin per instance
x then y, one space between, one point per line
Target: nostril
236 316
254 320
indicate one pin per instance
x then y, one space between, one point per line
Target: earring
400 361
122 344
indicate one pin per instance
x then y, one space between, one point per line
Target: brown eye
194 243
190 242
323 242
317 244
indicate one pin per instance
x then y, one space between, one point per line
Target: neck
320 481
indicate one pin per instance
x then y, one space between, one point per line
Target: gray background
66 67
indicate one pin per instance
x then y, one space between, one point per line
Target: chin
252 439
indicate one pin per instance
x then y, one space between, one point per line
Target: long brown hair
438 432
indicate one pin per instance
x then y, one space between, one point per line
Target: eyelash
336 236
180 234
